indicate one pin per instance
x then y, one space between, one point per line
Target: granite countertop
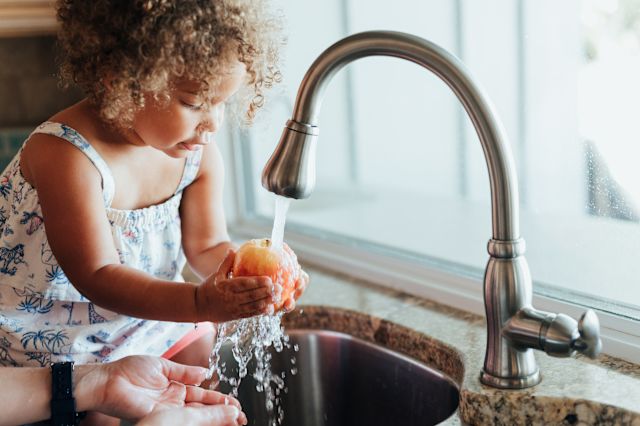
572 391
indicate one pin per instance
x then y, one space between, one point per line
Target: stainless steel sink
342 380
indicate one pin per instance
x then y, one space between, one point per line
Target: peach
257 258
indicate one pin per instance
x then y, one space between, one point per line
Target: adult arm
131 388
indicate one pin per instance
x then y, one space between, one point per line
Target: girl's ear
107 82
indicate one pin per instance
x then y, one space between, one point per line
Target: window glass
399 164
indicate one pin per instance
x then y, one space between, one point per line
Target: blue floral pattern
43 318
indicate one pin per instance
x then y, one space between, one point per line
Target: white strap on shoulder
67 133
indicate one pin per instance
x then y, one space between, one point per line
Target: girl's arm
204 232
204 229
70 193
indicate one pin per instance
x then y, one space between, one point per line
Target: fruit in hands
257 258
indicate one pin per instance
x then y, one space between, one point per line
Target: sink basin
342 380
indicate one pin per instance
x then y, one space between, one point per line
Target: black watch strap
63 404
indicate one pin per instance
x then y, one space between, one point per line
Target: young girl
106 199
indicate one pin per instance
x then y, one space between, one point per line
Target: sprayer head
291 170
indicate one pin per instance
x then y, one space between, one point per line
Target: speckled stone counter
572 391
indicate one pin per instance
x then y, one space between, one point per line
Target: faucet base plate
510 382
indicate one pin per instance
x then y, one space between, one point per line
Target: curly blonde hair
142 46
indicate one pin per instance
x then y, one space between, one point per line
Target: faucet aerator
291 170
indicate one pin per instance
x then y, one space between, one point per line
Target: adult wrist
88 387
64 410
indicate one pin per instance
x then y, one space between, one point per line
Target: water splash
279 219
249 339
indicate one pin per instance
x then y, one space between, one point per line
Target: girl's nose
213 118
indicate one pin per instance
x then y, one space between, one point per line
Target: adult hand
136 386
206 415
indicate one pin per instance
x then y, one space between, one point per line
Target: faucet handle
562 336
589 342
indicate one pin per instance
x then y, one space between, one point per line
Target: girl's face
178 127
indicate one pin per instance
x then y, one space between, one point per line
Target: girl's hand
220 298
301 284
136 386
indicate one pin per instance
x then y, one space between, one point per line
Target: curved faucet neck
502 173
514 327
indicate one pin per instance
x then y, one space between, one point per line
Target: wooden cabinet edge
31 19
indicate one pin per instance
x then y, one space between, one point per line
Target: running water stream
251 338
279 219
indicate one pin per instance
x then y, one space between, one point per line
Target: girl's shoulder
46 154
61 151
63 145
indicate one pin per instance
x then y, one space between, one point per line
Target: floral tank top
43 318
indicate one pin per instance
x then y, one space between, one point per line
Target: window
400 171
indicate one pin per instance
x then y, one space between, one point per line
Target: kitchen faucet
514 327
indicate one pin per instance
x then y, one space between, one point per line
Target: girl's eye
192 106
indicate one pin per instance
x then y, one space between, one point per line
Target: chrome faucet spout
514 327
304 122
